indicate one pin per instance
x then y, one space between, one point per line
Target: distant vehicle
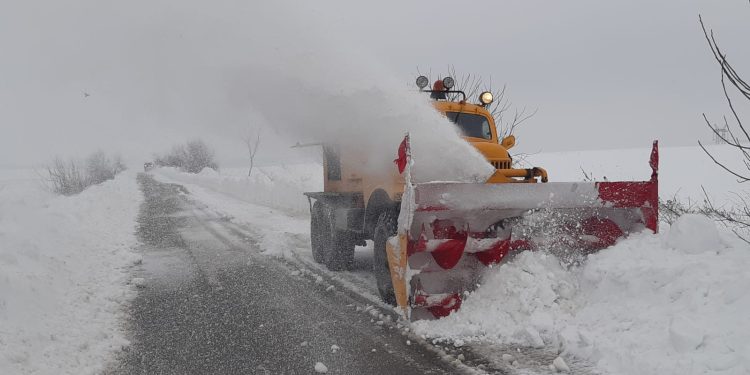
148 166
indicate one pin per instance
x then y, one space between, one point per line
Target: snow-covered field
63 273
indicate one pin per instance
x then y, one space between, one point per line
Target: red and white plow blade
450 232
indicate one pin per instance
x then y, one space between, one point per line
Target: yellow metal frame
397 263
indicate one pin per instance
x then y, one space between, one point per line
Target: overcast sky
600 74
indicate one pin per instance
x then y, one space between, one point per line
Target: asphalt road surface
211 304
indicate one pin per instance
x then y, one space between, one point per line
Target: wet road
211 304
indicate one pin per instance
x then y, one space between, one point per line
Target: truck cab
477 126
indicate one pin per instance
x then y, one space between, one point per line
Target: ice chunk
532 336
320 368
138 282
693 234
560 365
137 259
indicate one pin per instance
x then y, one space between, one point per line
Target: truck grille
502 164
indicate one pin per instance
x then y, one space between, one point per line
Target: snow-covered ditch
673 303
63 274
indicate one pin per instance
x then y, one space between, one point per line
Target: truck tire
384 229
320 233
340 255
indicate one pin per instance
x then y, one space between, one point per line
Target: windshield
471 124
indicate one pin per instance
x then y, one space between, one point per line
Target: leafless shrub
191 157
736 218
72 176
252 149
520 159
65 178
671 209
590 177
100 167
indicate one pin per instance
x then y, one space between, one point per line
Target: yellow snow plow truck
433 240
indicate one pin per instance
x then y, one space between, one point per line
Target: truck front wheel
384 229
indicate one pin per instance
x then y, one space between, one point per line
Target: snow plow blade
450 232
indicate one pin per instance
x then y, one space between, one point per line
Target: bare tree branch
252 149
473 85
738 218
741 178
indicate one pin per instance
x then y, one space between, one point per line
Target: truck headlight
486 98
422 82
448 82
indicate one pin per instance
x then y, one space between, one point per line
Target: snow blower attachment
450 232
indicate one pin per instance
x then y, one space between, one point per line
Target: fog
136 77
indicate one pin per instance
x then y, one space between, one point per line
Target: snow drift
63 275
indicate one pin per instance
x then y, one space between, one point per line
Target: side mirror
508 142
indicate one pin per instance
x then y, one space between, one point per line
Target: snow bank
278 187
652 304
63 263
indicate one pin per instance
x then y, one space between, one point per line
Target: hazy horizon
135 78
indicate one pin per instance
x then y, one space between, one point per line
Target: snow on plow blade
450 232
